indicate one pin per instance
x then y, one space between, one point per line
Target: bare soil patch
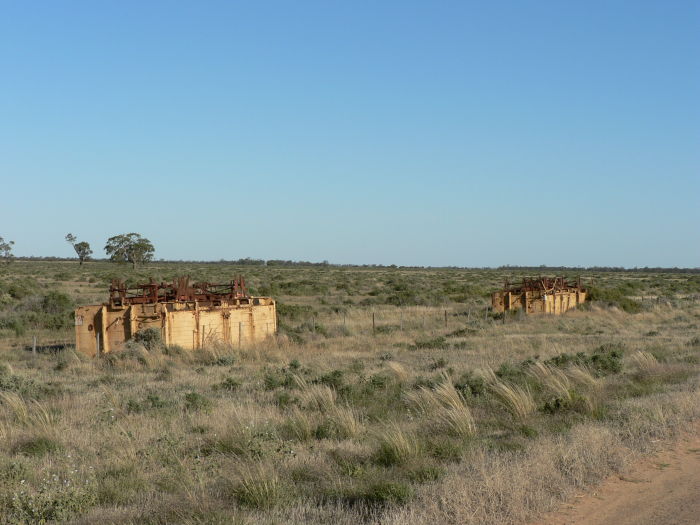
663 489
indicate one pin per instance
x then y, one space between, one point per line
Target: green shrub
333 379
229 384
439 343
195 402
615 297
470 384
36 446
56 500
436 364
425 473
277 378
384 492
606 359
150 338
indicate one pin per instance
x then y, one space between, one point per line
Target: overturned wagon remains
542 295
188 315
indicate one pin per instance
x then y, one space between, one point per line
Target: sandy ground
663 489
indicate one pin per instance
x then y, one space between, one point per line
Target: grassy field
390 395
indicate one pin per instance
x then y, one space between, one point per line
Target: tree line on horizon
135 249
130 248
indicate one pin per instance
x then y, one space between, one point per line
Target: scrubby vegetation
435 412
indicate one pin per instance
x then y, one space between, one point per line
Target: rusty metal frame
180 289
548 285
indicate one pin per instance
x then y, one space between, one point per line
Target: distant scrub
52 311
617 297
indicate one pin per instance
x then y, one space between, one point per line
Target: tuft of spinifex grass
259 487
554 380
346 421
299 425
645 363
583 377
396 446
29 414
515 399
315 397
445 407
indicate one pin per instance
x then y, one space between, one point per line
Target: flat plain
390 395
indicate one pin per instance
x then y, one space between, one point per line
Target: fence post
374 326
445 317
99 351
34 345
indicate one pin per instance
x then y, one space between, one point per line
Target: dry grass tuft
258 487
516 400
346 421
318 397
645 362
487 374
315 397
33 414
399 371
444 406
583 377
551 378
299 425
396 446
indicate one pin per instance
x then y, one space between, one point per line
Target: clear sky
415 133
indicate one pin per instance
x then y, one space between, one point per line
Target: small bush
385 492
36 446
150 338
425 473
195 402
615 297
229 384
470 384
439 343
224 360
436 364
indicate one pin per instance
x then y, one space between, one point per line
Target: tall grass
445 407
258 487
396 446
32 414
514 398
552 379
645 362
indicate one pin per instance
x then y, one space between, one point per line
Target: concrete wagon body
542 295
191 317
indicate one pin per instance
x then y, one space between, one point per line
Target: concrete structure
190 317
543 295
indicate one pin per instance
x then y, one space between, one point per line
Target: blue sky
415 133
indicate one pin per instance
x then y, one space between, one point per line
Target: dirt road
663 489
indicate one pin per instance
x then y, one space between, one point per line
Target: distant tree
6 250
81 248
129 247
